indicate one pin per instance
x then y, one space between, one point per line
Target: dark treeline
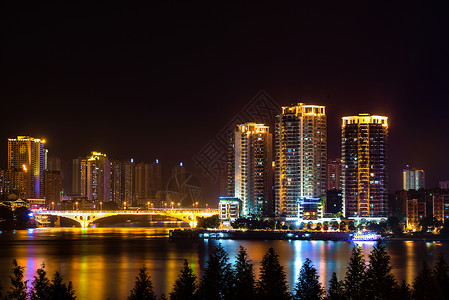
372 279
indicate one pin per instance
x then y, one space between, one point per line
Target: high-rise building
155 178
441 206
301 157
52 187
121 180
54 163
127 181
412 179
142 182
251 173
28 154
334 174
14 181
76 176
364 165
95 176
115 181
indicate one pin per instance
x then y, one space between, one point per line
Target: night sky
164 81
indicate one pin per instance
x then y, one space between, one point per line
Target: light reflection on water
103 262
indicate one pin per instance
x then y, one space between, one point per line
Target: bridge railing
143 211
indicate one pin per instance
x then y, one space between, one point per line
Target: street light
172 204
124 205
76 203
53 206
101 205
148 205
196 204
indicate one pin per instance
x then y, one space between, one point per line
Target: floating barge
258 235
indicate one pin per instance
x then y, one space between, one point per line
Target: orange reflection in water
104 262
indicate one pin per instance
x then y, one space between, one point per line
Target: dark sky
162 81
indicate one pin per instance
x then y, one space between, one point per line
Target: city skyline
145 88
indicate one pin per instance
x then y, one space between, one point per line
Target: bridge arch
85 218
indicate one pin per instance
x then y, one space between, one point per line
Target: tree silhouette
218 276
272 283
41 285
59 290
425 286
18 288
355 275
308 286
186 284
380 283
403 292
336 289
244 276
143 288
441 274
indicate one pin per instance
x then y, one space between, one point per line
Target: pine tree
186 284
41 285
441 274
272 283
244 276
143 288
59 290
18 288
380 283
403 291
355 275
308 286
218 277
336 289
425 286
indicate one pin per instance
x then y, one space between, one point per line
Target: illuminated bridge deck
85 218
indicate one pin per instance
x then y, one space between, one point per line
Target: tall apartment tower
250 176
155 178
364 162
127 181
334 174
95 175
115 181
142 181
412 179
301 157
76 176
28 154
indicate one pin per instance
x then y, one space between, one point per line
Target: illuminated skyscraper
334 174
28 154
115 179
301 157
412 179
251 174
95 175
364 162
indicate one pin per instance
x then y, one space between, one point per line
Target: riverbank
288 235
258 235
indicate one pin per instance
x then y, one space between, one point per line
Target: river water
102 263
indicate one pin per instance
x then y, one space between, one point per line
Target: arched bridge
85 218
